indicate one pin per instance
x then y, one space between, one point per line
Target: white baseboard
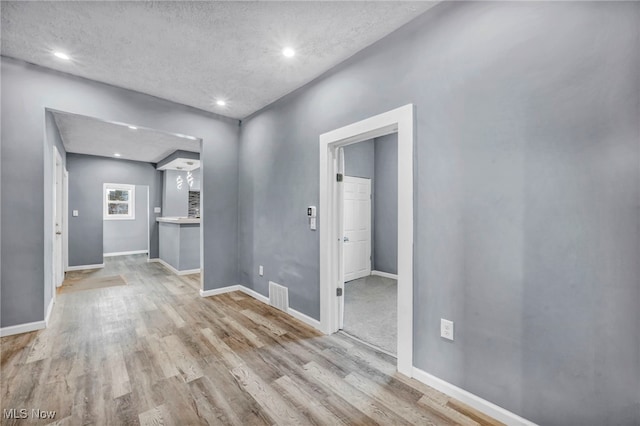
312 322
480 404
217 291
30 326
264 299
49 310
125 253
84 267
385 275
254 294
22 328
174 270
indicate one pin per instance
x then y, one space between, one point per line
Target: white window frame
132 201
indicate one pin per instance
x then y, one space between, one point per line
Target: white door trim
57 260
65 218
402 121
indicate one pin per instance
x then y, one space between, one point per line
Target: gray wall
175 201
26 154
385 207
130 235
377 159
360 159
87 174
527 197
196 180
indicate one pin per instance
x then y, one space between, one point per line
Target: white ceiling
187 164
86 135
196 52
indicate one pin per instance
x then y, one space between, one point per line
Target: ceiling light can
288 52
62 55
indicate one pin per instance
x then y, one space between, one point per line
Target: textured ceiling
197 52
86 135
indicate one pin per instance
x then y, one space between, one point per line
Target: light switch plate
446 329
261 271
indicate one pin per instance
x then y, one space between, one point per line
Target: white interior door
357 228
58 258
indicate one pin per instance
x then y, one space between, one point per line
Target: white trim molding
125 253
85 267
480 404
131 202
384 275
305 319
174 270
217 291
400 120
47 317
264 299
250 292
22 328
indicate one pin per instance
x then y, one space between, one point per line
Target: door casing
400 120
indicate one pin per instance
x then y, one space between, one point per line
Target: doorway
128 235
400 121
370 242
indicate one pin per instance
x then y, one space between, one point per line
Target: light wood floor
154 352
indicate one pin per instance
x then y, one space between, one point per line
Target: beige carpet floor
371 312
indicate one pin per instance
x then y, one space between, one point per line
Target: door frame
58 193
400 120
65 219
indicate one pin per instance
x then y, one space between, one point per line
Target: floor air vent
278 296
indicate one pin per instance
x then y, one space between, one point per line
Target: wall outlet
75 213
446 329
261 271
157 210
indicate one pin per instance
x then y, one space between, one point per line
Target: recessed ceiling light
221 102
288 52
116 155
62 55
133 127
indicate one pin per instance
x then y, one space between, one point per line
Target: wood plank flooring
154 352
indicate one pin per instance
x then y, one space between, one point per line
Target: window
119 201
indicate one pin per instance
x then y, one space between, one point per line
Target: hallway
153 351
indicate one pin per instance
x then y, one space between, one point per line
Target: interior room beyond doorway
371 241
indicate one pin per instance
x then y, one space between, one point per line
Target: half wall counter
179 240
